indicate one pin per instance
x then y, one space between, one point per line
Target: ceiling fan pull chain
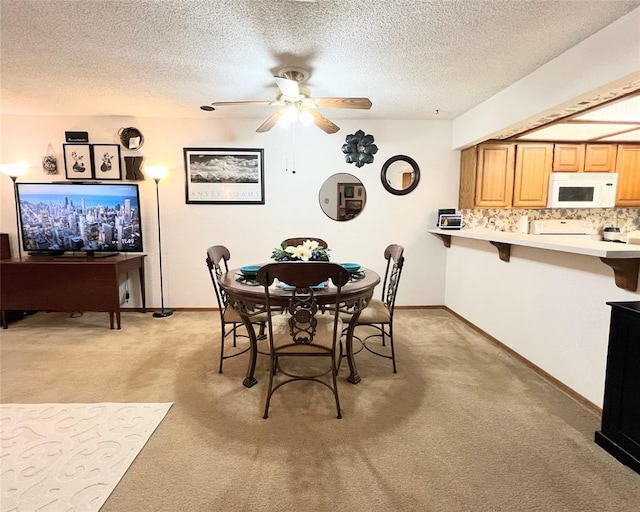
286 150
294 149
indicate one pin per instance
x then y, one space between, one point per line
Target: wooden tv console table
50 283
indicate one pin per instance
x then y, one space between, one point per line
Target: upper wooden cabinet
467 191
504 175
584 158
600 158
628 169
531 179
494 177
568 157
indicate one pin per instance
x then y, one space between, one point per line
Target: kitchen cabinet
494 175
504 175
628 169
531 177
600 158
467 191
584 157
568 157
620 431
486 176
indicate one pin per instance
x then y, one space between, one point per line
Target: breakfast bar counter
623 258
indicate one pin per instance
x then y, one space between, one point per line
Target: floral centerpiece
309 250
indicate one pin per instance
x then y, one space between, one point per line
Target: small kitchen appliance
611 234
582 190
561 227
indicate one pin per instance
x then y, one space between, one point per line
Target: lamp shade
14 170
156 172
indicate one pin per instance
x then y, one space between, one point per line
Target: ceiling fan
297 104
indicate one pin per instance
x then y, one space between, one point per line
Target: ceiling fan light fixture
306 118
289 117
297 103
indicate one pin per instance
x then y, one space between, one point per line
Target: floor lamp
13 171
157 173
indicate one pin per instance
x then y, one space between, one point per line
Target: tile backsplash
627 219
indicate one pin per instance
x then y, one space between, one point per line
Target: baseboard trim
539 371
419 307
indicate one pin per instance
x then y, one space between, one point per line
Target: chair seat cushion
376 312
322 340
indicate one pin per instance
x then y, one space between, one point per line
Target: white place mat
69 457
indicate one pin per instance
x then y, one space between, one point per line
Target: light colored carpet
462 426
69 457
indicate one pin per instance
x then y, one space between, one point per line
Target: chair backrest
217 258
302 239
303 307
395 261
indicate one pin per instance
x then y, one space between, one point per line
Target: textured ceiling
165 58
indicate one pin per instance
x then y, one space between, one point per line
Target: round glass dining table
361 286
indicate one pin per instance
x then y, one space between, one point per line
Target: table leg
250 380
111 319
353 377
118 317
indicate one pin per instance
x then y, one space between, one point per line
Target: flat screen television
97 219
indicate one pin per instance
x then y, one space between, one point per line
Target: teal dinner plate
351 267
316 287
250 270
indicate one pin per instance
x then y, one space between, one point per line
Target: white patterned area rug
69 457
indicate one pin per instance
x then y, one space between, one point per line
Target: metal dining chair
379 313
304 329
230 320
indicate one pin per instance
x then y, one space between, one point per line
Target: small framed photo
106 161
224 176
77 161
348 191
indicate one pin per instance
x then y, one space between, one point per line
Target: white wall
291 209
550 307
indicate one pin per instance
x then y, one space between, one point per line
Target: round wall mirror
342 197
400 175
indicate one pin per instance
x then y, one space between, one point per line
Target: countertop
577 244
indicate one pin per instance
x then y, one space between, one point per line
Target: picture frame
224 175
77 161
106 161
348 191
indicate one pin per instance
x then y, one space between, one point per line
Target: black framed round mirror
400 175
342 197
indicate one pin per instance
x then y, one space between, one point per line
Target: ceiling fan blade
228 103
360 103
270 122
323 123
288 87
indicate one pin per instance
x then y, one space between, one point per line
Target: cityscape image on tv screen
80 217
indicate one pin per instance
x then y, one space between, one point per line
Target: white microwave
582 190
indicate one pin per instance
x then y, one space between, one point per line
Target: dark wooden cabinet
620 432
5 254
67 284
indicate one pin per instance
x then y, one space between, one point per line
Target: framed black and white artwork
77 161
224 176
106 161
